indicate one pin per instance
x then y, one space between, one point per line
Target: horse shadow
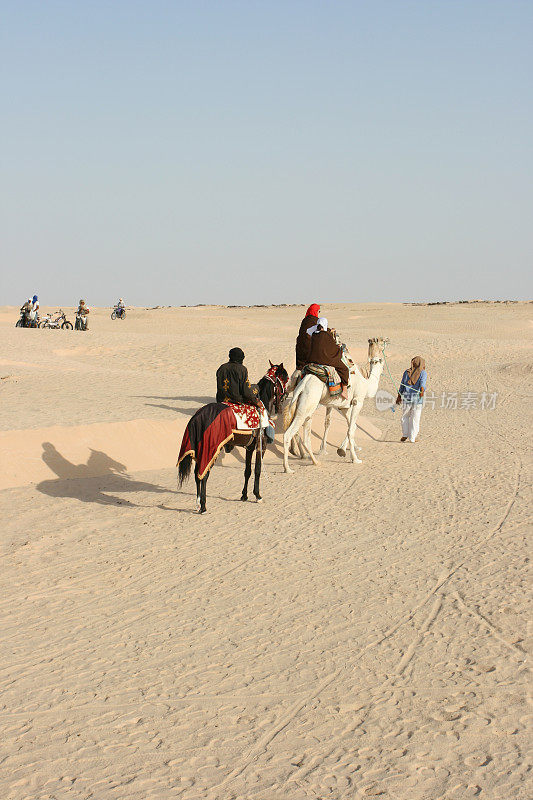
93 482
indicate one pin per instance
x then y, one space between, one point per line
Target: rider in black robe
233 385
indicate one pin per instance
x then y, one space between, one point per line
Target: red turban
313 310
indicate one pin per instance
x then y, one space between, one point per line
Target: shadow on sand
187 411
92 482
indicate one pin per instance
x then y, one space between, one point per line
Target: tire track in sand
299 705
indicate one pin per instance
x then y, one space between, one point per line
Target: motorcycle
26 322
118 313
60 321
81 322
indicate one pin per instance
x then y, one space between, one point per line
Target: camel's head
376 347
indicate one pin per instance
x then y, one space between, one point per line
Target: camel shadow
93 482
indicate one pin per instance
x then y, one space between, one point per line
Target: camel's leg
327 423
351 419
354 413
297 448
306 439
247 471
257 474
291 431
308 394
341 451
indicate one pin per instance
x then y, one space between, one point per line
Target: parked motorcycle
60 321
118 313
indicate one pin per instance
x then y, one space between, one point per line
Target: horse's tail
184 469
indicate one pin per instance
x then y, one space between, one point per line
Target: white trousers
411 420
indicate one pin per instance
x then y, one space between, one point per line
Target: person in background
34 313
411 396
303 342
83 312
25 310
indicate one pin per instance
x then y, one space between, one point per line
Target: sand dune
362 633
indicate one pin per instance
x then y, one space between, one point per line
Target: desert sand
361 633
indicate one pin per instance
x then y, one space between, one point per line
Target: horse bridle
279 387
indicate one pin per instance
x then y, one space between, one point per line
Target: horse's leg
198 487
327 423
203 485
247 470
257 472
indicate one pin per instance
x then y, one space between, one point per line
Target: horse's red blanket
206 434
247 416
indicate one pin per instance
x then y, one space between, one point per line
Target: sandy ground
362 633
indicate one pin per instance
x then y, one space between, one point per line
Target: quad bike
60 321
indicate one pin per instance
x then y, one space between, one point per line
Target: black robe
303 342
233 385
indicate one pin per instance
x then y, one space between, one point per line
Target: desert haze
361 633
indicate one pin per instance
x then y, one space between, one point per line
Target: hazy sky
265 152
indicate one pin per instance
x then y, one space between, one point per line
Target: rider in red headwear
303 342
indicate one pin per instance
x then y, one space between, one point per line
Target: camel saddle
327 375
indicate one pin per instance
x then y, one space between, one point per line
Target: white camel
312 392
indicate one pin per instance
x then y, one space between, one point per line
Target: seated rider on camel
233 385
324 350
303 342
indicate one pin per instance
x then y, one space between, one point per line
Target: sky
265 151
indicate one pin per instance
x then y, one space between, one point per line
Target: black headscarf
236 355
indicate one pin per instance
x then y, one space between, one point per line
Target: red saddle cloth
247 417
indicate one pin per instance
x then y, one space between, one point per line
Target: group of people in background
29 313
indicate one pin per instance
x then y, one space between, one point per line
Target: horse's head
376 346
279 378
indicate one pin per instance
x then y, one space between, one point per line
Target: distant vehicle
81 322
60 321
26 322
118 313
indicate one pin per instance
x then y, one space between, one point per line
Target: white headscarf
322 321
